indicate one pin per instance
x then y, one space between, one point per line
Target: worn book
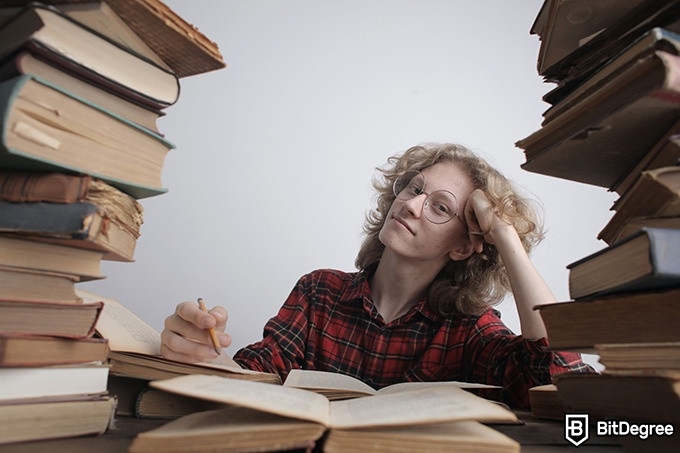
94 57
656 193
56 187
639 358
274 404
643 47
636 317
654 398
47 128
46 318
135 348
602 137
622 24
645 260
31 285
336 386
56 418
181 45
21 253
26 383
30 63
665 153
563 26
29 350
106 220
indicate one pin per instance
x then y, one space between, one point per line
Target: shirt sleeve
499 357
283 344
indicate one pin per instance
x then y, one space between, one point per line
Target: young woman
450 236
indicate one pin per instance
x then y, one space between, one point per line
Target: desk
535 435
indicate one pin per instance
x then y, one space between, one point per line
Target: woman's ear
462 252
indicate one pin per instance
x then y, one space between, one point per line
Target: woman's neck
397 285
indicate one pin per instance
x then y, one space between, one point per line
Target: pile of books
614 122
82 86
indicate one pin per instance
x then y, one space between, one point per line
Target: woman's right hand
185 336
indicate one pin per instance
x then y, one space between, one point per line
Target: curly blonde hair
472 285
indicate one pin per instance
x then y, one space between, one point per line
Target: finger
177 347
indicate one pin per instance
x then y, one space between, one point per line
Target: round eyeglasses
439 206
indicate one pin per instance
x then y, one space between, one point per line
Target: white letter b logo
576 428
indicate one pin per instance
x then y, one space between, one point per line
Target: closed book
56 187
26 350
636 317
639 358
645 260
178 43
656 193
68 44
47 128
52 381
46 318
600 139
28 63
25 254
654 398
37 286
55 419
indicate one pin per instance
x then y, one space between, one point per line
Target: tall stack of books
82 85
614 122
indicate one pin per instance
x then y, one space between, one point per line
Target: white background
275 153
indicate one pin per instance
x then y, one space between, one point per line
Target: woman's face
407 230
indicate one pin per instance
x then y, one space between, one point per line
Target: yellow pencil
211 331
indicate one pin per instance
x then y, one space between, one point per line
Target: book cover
26 350
48 319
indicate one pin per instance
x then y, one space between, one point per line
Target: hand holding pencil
211 331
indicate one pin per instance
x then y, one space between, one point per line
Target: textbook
646 259
635 317
24 383
44 127
92 56
269 405
31 285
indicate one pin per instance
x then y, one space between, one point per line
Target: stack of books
82 86
614 122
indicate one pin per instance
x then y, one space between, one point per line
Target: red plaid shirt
329 323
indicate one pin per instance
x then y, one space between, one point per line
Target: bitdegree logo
576 428
642 430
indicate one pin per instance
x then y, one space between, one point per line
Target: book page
324 380
275 399
127 332
426 405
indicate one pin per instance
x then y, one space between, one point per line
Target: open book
272 417
135 348
335 386
402 406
